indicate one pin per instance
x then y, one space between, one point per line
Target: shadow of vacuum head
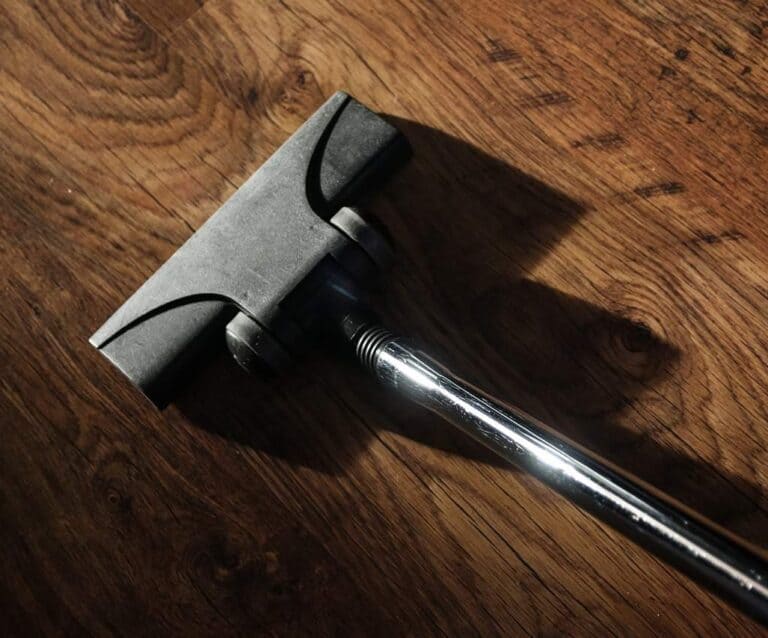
284 246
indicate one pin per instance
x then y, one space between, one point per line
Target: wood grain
581 231
165 17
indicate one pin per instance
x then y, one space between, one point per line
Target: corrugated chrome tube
726 565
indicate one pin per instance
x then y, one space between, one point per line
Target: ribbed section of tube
368 343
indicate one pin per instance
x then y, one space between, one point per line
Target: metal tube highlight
722 562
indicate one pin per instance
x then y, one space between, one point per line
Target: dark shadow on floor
469 228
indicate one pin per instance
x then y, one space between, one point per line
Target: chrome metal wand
727 565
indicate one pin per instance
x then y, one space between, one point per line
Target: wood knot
631 348
303 77
118 501
637 337
220 559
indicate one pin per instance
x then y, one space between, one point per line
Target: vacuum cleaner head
286 235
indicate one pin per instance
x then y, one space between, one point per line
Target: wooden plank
580 231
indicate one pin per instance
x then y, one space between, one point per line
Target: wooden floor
582 230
